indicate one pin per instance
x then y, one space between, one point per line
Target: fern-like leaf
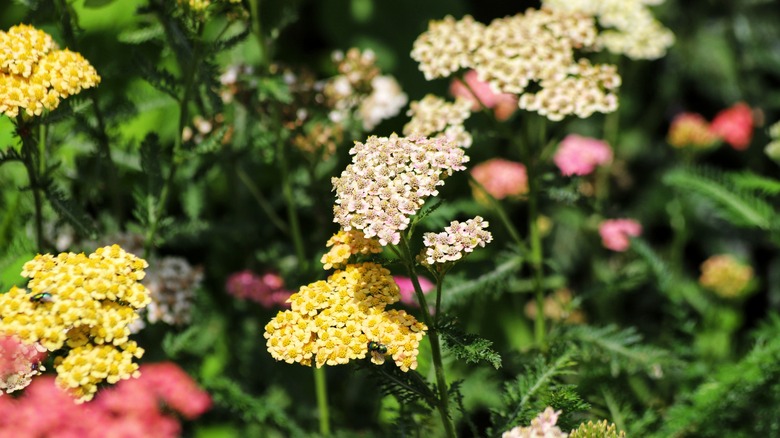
70 212
407 387
657 265
740 207
467 346
751 181
151 32
457 290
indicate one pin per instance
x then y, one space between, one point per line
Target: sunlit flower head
615 233
332 322
690 130
629 26
385 101
734 125
35 76
434 117
500 178
345 244
389 180
457 240
267 289
447 46
577 155
726 276
481 95
542 426
86 303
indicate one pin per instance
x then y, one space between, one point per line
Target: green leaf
458 290
739 207
70 212
95 4
151 32
468 346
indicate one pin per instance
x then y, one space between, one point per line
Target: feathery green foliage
487 285
467 346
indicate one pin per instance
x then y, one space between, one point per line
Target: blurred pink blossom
501 178
502 104
406 288
734 125
130 409
267 289
615 233
18 363
577 155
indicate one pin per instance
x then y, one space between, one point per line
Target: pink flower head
577 155
406 289
615 233
268 289
19 362
501 178
503 104
690 129
734 125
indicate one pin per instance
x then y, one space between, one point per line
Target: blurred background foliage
713 365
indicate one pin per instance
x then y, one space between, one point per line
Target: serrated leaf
95 4
151 32
488 284
468 346
70 212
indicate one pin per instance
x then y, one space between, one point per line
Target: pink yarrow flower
501 178
615 233
406 289
734 125
577 155
267 289
476 91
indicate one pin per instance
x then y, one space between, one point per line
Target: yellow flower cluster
35 76
332 322
600 429
726 276
433 117
84 303
346 243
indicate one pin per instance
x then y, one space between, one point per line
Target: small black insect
377 347
43 297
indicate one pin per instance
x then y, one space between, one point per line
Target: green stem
264 204
501 212
320 387
433 336
257 29
537 259
292 212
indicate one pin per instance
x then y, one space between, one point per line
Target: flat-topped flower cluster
389 180
332 322
84 303
35 76
457 240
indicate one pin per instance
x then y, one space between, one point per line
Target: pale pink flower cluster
389 180
616 233
406 289
577 155
267 289
434 117
629 26
501 178
139 407
458 239
734 125
480 94
543 426
19 363
385 101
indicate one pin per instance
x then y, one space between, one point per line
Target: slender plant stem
257 29
433 336
537 258
264 204
501 212
320 387
292 211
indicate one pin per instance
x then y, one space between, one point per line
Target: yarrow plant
577 155
500 178
457 240
726 276
84 303
615 233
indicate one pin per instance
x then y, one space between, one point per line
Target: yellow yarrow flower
86 303
346 243
35 75
332 322
726 276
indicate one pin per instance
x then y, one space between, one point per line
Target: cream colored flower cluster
631 28
360 86
531 49
86 303
389 180
332 322
35 76
345 244
457 240
434 117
